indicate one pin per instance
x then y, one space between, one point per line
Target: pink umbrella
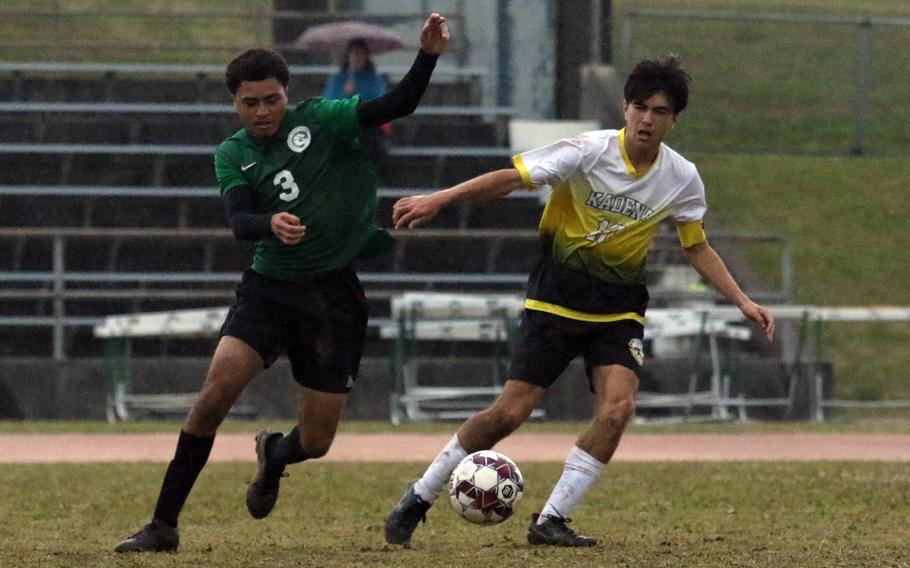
335 37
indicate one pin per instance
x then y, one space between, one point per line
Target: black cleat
554 532
154 537
262 493
403 519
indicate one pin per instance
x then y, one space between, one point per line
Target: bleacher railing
55 283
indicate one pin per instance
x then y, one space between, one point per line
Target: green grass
171 35
779 87
651 515
841 214
843 217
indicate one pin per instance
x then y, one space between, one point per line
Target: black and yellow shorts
320 322
547 343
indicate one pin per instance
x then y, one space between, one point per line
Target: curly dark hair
661 75
257 64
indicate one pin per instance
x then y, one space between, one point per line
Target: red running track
523 447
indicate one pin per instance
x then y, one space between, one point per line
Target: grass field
650 515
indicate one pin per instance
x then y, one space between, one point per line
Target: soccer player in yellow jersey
587 294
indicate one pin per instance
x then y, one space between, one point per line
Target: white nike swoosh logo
248 166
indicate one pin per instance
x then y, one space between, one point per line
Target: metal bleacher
137 122
108 202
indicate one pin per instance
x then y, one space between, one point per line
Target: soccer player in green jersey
586 295
296 182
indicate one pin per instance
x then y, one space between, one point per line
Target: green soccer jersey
313 168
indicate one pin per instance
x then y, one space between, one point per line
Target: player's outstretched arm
404 98
705 260
410 212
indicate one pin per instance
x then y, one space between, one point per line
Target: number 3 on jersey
285 180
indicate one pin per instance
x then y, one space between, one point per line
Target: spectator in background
358 76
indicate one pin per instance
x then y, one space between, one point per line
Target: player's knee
204 419
616 413
508 419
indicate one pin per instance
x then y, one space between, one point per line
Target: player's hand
410 212
287 228
434 35
761 316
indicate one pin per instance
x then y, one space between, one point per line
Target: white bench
420 317
416 317
117 333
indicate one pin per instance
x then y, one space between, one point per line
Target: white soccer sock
578 475
437 475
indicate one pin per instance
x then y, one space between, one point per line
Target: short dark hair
661 75
257 64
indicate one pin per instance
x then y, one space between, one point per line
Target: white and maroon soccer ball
485 487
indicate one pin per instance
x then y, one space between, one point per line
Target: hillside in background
847 222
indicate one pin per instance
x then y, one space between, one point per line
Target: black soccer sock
288 450
189 459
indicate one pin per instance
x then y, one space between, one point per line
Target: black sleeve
403 99
246 225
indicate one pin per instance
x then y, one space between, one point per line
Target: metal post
605 34
503 54
817 375
626 51
798 372
597 30
787 271
59 288
718 409
863 64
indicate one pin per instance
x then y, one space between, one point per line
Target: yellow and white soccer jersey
602 215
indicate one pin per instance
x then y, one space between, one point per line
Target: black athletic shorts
320 322
547 343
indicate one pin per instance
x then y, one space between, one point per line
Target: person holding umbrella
294 181
358 76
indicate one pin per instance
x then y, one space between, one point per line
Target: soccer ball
485 487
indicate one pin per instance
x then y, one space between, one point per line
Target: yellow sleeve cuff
519 164
691 234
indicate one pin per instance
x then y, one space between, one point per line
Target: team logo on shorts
638 353
298 139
